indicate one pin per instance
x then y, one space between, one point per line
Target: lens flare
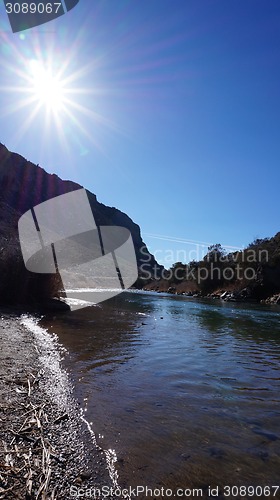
46 87
55 93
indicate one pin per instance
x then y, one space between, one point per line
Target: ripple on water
188 393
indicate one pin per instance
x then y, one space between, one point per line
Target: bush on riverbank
249 274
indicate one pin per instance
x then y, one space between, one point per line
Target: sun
56 92
47 89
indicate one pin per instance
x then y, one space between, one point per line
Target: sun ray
27 123
43 85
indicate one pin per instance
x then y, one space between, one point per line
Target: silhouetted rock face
24 185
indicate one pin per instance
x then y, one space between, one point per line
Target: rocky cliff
24 185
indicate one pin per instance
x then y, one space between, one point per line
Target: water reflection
186 391
101 336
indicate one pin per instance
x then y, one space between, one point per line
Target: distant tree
258 241
215 252
178 272
193 264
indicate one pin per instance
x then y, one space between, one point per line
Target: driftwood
36 458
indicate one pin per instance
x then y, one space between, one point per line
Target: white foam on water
91 290
58 385
78 302
50 351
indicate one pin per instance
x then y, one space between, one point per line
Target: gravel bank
47 449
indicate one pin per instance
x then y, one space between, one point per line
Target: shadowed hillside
252 274
24 185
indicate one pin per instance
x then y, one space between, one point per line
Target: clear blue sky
175 118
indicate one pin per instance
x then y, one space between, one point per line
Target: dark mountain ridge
24 185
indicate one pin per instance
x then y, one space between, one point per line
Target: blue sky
175 114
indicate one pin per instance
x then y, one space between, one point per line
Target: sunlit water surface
187 392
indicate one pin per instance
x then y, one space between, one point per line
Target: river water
186 391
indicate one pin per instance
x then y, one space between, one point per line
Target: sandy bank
45 447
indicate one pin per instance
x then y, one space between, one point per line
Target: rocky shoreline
231 295
47 449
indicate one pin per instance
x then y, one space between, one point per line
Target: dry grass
27 459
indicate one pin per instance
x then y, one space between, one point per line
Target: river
185 391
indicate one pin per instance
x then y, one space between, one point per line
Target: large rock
24 184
